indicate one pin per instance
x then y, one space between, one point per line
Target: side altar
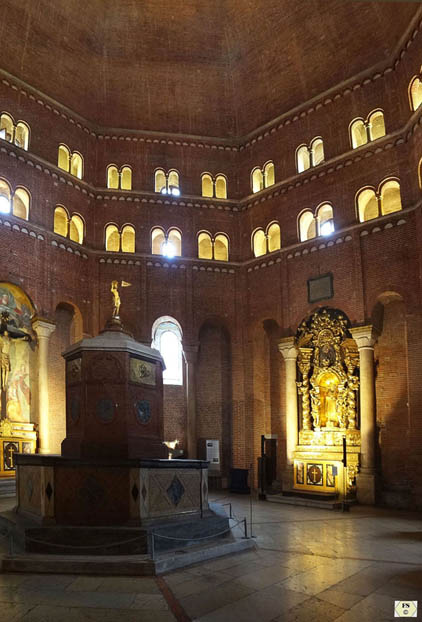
328 412
17 433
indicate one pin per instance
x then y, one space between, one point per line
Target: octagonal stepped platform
153 549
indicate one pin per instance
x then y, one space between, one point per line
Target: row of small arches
167 242
371 203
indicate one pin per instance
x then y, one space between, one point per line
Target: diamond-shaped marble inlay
176 490
48 490
144 492
135 492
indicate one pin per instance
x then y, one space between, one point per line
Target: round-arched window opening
327 228
167 338
4 205
168 250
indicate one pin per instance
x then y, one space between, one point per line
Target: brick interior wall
59 341
174 406
213 382
393 403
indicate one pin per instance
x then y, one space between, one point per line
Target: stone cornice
224 144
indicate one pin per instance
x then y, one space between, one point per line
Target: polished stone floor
310 565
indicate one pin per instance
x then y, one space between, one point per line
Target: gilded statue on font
116 297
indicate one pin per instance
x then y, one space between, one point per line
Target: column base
287 478
366 486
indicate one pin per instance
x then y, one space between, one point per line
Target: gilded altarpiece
328 386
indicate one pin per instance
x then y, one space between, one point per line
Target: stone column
43 329
365 337
191 358
288 349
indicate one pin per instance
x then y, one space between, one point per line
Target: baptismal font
328 385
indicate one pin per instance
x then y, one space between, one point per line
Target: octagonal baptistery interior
242 165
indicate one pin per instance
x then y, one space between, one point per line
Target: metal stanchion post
250 498
344 505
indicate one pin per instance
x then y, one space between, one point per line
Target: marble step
122 565
7 487
326 504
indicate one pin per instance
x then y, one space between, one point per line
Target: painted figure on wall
16 311
4 359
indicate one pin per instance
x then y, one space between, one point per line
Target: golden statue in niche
328 360
328 384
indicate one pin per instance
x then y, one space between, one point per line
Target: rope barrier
84 546
214 535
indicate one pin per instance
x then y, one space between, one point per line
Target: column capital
43 328
287 347
365 336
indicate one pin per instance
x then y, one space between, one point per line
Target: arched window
221 187
173 246
128 239
269 174
160 180
390 197
126 178
6 127
204 245
167 183
22 135
376 125
112 176
367 204
221 247
207 185
61 220
21 203
112 238
307 228
303 158
317 150
63 161
358 133
259 243
76 165
167 338
173 183
274 237
415 92
19 134
157 240
257 180
76 229
5 196
325 219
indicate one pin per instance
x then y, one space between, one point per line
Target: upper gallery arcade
254 170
